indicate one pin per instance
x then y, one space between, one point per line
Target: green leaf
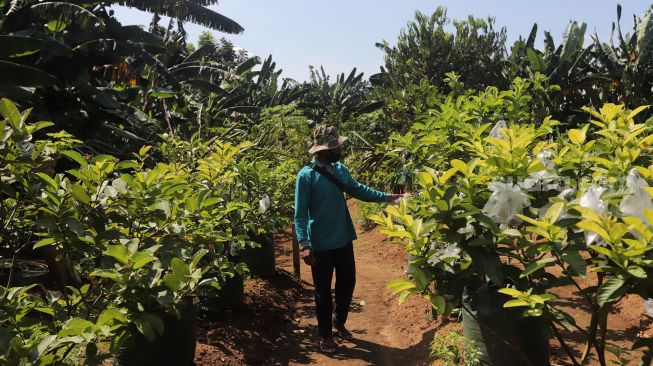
17 74
80 194
41 125
76 326
575 261
74 156
512 232
422 279
145 328
44 242
143 151
537 223
400 285
592 226
439 303
75 226
534 266
515 303
637 271
119 252
162 93
425 179
9 111
56 26
447 175
404 296
180 268
197 257
46 178
142 261
155 322
554 212
18 46
172 282
576 136
511 292
602 250
610 291
111 274
111 316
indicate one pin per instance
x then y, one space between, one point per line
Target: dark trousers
326 261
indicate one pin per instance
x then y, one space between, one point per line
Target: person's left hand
394 197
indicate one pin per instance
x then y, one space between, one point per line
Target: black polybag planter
231 296
490 326
175 347
260 261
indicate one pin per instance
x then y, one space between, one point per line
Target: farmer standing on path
325 230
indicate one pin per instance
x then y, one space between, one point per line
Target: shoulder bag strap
328 176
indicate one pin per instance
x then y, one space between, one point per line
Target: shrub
523 202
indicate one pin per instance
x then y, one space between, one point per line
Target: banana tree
112 81
625 69
337 102
569 65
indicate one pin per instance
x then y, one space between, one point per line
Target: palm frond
64 11
15 46
17 74
136 34
203 72
206 86
203 51
190 11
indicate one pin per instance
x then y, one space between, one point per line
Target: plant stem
603 325
564 346
13 212
65 354
590 338
11 269
167 116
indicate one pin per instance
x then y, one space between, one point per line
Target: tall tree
426 50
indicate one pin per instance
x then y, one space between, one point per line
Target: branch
564 345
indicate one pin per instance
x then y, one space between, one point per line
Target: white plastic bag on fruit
264 203
638 200
545 156
592 200
451 251
648 307
506 201
544 180
496 130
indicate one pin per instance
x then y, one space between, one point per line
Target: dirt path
384 332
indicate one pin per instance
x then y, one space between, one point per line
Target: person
325 230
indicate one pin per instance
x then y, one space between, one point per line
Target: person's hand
308 256
394 197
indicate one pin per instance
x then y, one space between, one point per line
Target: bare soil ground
278 326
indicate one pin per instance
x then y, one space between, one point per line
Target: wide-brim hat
325 137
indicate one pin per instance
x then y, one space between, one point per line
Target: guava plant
437 133
140 235
534 214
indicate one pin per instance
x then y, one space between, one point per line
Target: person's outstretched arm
364 193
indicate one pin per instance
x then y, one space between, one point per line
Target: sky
341 34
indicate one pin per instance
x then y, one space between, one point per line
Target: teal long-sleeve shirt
322 219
